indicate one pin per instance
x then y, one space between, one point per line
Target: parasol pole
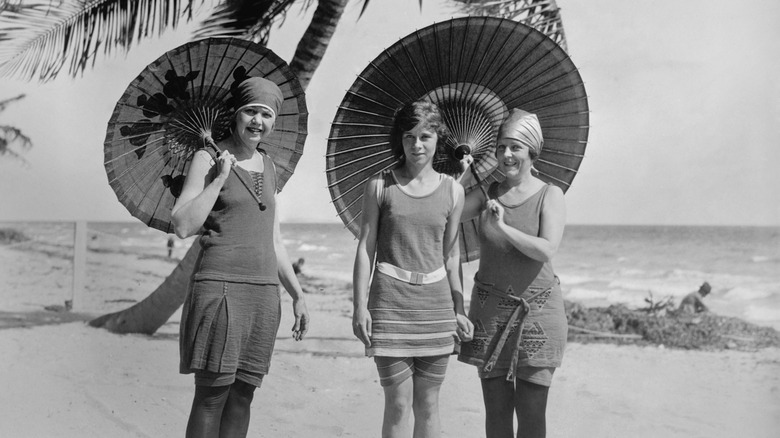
479 182
459 153
209 141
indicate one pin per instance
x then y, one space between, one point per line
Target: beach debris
10 235
605 334
706 331
656 307
66 307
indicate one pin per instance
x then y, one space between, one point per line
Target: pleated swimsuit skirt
231 314
234 327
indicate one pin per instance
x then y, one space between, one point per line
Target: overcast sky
684 98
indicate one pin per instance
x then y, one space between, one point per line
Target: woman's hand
465 162
466 177
361 325
225 161
301 319
495 211
465 329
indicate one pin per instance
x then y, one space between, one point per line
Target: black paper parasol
183 102
475 69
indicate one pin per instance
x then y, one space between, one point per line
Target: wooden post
79 265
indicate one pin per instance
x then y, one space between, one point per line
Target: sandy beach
62 378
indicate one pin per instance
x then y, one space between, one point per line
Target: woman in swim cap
231 315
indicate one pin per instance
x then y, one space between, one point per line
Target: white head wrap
524 127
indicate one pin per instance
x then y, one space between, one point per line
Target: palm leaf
247 19
13 143
38 38
5 103
252 19
365 6
542 15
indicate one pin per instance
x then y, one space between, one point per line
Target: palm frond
38 38
542 15
13 143
6 102
247 19
365 6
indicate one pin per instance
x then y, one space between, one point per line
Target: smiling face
519 143
253 123
420 144
514 156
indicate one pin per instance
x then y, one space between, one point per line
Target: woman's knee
398 397
211 397
426 399
531 397
242 391
426 391
498 395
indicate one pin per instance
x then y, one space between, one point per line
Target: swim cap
523 126
258 91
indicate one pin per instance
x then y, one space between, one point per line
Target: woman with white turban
516 305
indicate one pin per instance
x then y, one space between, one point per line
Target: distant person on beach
298 266
411 315
231 314
516 303
169 245
694 301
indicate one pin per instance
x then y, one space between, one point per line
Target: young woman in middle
412 316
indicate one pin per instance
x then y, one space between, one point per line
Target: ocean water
598 265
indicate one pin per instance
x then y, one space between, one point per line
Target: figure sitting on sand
298 266
694 301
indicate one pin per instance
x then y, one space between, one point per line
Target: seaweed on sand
704 331
10 235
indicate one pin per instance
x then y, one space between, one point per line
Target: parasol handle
479 182
213 145
459 153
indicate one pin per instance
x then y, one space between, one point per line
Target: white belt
410 277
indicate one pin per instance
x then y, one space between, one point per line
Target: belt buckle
416 278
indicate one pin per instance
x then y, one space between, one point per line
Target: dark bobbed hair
533 154
409 116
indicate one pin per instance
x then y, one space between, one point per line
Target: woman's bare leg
398 404
427 423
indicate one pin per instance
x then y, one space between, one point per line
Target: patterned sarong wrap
516 319
522 321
